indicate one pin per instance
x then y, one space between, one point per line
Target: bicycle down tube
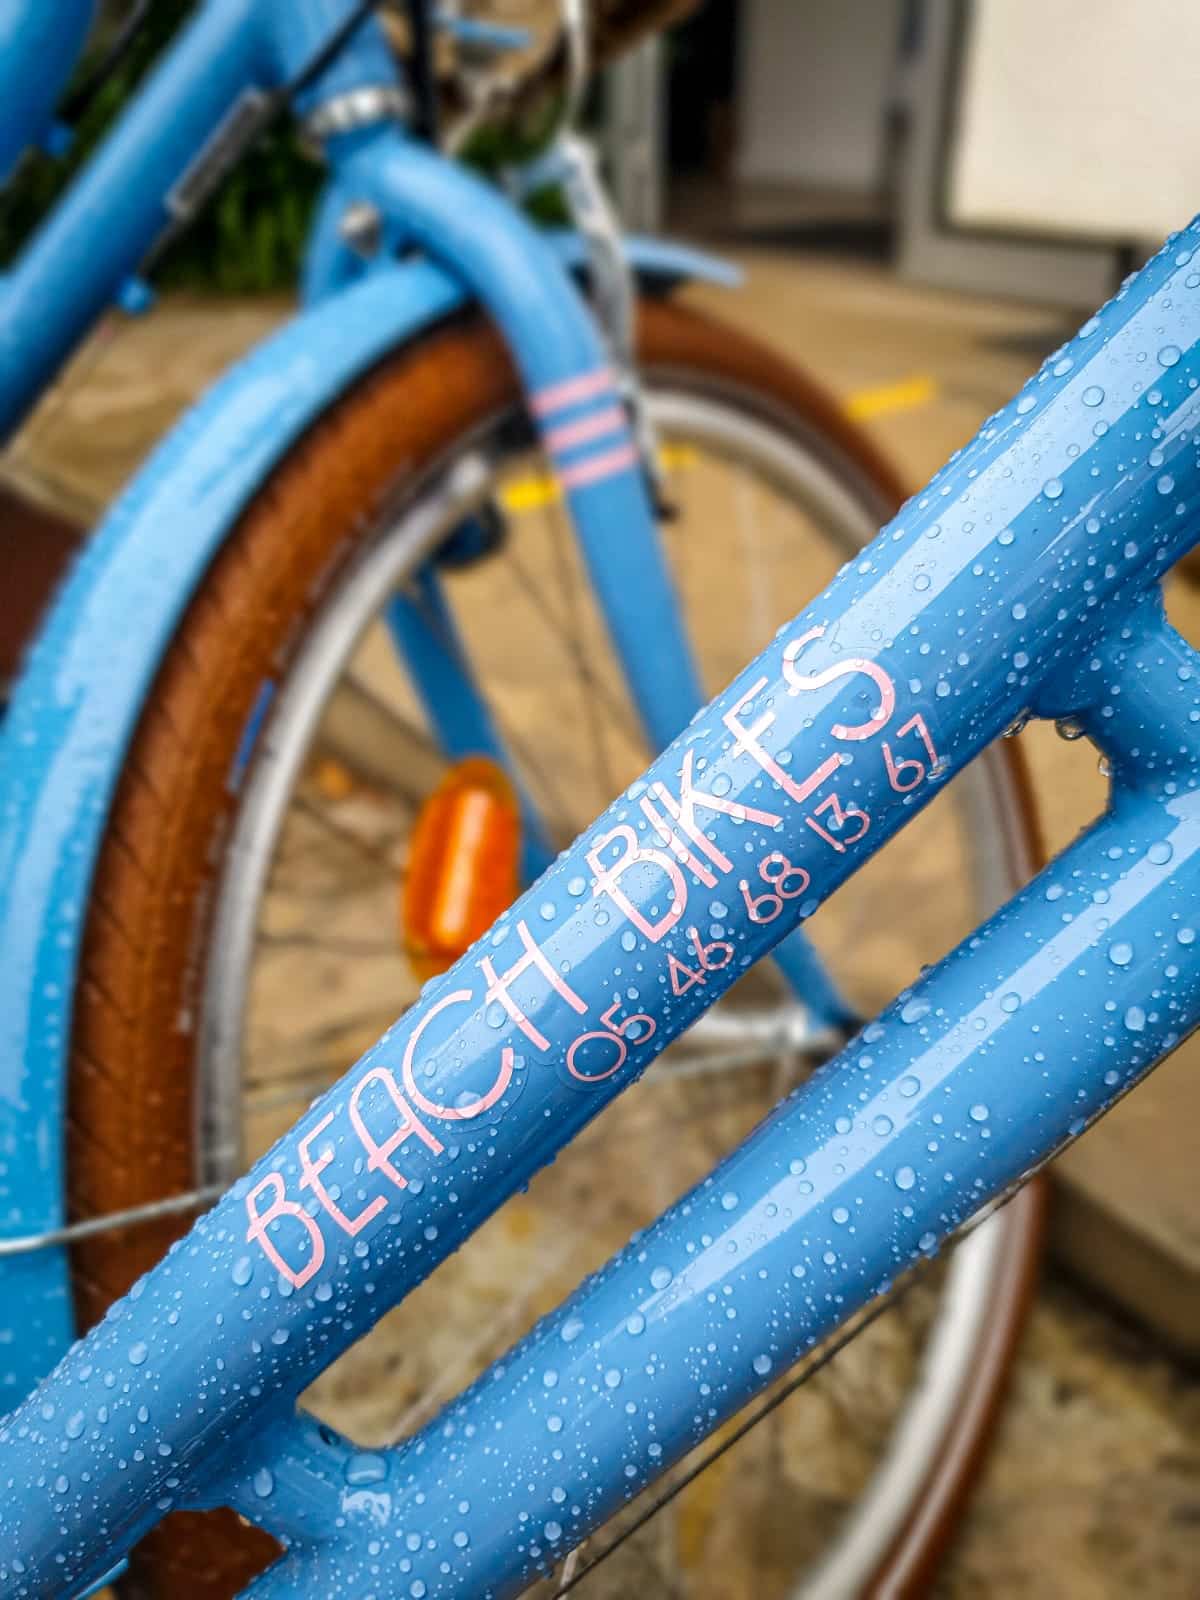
1024 579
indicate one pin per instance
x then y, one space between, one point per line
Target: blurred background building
1024 147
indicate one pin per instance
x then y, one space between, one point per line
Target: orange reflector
462 867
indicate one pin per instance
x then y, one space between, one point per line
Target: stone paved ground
1093 1489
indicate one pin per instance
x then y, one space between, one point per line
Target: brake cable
78 101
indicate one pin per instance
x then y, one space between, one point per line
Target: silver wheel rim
849 510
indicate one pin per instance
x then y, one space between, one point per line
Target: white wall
813 82
1079 117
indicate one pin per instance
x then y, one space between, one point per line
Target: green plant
248 238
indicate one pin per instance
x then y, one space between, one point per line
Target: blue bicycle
411 596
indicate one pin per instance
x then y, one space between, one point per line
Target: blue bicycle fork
586 434
1023 580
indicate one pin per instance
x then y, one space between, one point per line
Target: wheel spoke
375 740
798 1377
330 942
515 745
536 594
590 689
500 1331
315 1070
345 834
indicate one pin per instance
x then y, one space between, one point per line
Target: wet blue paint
1022 580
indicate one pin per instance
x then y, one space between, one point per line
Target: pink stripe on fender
570 392
596 467
610 420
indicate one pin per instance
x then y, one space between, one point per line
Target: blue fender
80 695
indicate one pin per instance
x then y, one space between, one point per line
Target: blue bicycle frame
448 238
1023 580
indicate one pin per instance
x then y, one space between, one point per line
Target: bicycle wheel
243 941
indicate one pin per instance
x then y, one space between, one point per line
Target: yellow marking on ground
530 494
520 1218
536 490
674 456
334 779
907 395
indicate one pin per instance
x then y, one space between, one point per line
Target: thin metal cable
806 1371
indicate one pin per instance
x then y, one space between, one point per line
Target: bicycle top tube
195 111
1022 579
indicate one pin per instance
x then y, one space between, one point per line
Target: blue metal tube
430 646
565 369
295 31
1031 556
97 235
100 231
962 1086
39 45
